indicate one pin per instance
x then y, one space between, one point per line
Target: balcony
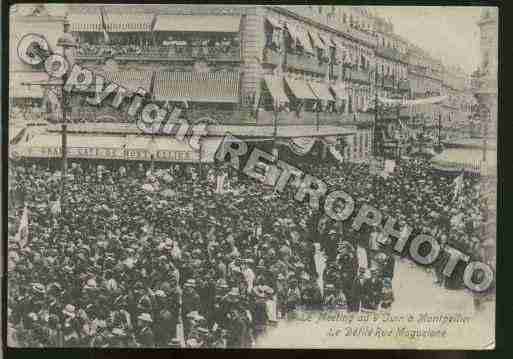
271 57
316 67
404 85
359 35
296 62
170 53
361 75
388 83
306 63
306 118
389 53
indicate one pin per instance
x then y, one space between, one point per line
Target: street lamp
69 45
69 51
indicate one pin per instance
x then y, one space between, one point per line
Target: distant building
484 79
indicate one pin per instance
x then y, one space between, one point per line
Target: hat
203 330
160 293
90 284
119 332
234 292
190 283
174 342
69 310
38 287
146 317
194 315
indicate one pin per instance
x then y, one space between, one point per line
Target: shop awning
131 80
300 89
274 23
327 40
79 146
275 87
128 22
300 36
197 87
121 147
339 92
316 40
321 91
197 23
169 149
19 84
86 22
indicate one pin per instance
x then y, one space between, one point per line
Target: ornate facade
319 67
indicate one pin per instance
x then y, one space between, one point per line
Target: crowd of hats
121 266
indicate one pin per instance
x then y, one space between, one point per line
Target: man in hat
71 327
191 298
144 337
372 291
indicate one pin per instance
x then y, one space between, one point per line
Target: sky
448 32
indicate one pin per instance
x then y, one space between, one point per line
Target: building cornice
318 24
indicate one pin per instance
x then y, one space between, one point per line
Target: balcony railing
271 57
388 83
173 53
361 75
306 118
404 85
360 35
389 53
306 63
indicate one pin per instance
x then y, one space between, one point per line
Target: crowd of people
166 48
133 256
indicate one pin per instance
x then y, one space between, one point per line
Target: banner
299 145
23 231
406 103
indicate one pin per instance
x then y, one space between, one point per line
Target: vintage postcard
252 176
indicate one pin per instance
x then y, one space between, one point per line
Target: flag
106 36
220 182
55 207
320 266
458 185
361 254
22 235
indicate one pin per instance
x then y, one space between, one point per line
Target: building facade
261 71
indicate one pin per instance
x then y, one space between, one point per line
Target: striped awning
300 89
327 40
321 91
300 36
339 91
197 23
131 80
197 86
128 22
86 22
316 40
19 84
275 87
274 23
